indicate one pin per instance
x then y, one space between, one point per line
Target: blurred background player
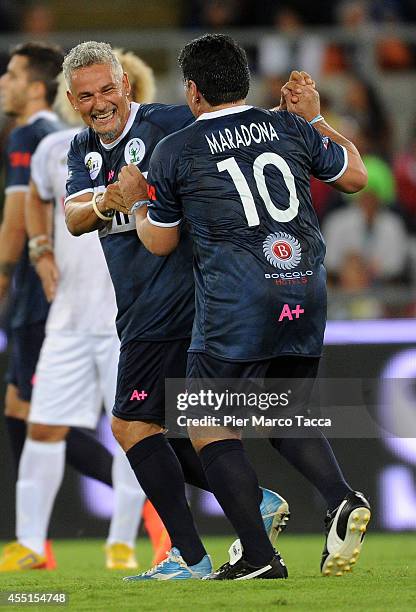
77 368
27 91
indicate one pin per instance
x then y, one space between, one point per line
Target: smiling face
15 86
101 99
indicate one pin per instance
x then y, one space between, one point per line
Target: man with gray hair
155 295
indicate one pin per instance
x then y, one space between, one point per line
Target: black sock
315 460
191 465
234 484
17 436
190 462
160 475
88 456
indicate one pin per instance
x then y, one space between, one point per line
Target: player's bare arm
158 240
12 237
308 106
88 212
38 227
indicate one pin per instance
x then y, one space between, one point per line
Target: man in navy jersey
155 296
27 92
240 176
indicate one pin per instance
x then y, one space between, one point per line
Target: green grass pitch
384 579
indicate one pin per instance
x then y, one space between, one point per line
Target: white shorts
76 374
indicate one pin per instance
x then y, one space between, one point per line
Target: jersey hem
141 339
343 169
160 224
15 188
78 193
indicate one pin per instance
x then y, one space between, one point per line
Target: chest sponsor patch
134 151
93 162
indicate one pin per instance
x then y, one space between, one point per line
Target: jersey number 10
247 200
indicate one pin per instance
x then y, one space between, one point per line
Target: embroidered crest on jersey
93 162
282 251
134 151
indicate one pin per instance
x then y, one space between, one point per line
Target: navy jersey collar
43 114
224 111
134 107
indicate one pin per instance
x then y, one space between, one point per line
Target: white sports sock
128 502
41 470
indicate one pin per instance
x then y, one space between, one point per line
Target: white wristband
316 119
99 214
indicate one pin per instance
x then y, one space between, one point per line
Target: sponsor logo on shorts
282 251
138 395
134 151
93 162
291 313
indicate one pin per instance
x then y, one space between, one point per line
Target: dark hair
44 63
218 66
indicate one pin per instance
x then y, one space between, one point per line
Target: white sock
128 502
41 470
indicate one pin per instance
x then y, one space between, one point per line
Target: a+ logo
289 313
138 395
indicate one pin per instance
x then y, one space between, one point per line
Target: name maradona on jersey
240 136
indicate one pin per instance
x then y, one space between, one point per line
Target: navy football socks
88 456
160 475
315 460
234 483
190 462
17 435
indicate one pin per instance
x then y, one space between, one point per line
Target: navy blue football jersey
240 178
155 295
30 304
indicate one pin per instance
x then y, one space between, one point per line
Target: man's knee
47 433
129 433
201 436
14 406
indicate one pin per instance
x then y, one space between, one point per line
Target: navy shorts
201 365
279 369
26 342
142 370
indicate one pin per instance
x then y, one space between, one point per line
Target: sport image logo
282 251
93 162
134 151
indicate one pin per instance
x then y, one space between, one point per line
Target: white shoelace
171 557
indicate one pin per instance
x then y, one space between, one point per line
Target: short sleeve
329 159
164 210
79 180
18 160
39 166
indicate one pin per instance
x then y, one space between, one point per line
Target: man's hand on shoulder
133 185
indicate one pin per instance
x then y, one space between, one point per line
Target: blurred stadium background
363 57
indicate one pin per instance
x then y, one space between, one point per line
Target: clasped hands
299 95
130 187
